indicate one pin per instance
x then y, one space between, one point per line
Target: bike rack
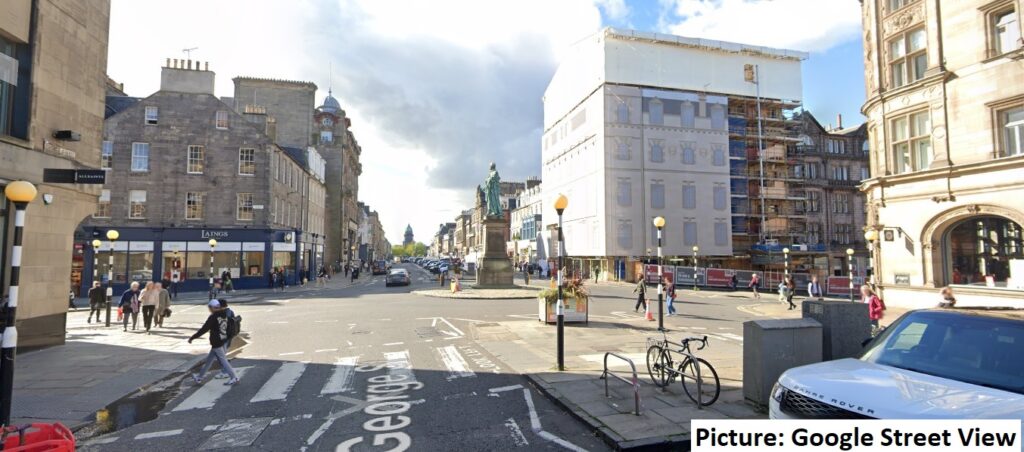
635 382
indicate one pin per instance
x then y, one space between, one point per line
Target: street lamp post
560 204
213 246
785 254
96 243
695 250
112 236
870 236
20 193
849 266
659 222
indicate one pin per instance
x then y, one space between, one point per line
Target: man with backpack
220 329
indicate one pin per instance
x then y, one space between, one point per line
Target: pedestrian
234 324
876 308
948 300
71 299
755 281
226 282
149 298
790 291
597 274
175 279
354 274
346 270
281 279
733 282
526 273
97 298
321 277
272 277
641 291
217 324
163 306
814 289
670 296
129 305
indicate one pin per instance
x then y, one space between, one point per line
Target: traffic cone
649 315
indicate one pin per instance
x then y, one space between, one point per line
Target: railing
635 382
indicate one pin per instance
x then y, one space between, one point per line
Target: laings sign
214 234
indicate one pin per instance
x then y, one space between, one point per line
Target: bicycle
704 386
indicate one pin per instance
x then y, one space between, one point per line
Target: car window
976 349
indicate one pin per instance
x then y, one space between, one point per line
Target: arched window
982 247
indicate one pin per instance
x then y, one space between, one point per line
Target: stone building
39 96
408 238
339 147
827 165
184 167
945 109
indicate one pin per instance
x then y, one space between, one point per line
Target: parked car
397 277
379 268
935 363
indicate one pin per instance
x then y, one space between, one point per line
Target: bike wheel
709 384
656 366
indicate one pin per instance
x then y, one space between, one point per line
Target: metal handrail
635 382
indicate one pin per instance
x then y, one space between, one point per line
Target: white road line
517 434
457 367
290 353
393 343
159 434
724 328
208 394
278 323
98 441
535 425
506 388
534 419
341 379
211 427
300 417
325 350
279 384
349 343
325 321
732 336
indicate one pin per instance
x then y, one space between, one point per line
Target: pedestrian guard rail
689 276
634 382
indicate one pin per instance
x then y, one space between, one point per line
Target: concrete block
844 326
770 347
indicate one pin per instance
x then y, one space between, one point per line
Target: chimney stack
181 76
839 121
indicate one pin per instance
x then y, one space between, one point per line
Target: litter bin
771 347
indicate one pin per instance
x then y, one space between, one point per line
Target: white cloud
436 89
813 26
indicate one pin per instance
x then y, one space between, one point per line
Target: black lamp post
695 250
560 204
659 222
112 236
213 245
20 193
849 265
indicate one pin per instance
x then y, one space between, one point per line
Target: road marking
724 328
159 434
325 321
237 433
290 353
349 343
732 336
517 434
278 323
98 441
523 316
434 323
458 396
289 419
279 384
208 394
325 350
393 343
211 427
535 424
457 366
506 388
341 379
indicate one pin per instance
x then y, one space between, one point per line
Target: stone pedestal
494 268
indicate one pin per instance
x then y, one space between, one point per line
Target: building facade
182 168
945 108
341 152
639 125
39 96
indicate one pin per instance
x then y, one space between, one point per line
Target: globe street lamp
870 236
695 250
20 193
560 204
849 266
659 222
112 235
785 254
213 245
96 244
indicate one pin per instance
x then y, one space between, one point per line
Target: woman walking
790 290
129 305
754 282
149 298
670 296
876 308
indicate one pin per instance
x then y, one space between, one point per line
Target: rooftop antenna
330 78
188 51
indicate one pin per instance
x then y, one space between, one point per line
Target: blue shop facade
182 256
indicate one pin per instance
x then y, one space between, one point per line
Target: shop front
182 257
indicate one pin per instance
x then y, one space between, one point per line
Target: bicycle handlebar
703 341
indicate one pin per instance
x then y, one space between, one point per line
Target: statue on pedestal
492 192
494 268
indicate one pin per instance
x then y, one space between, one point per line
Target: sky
436 90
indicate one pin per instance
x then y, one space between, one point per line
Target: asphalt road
369 367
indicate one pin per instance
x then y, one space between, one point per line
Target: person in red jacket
876 308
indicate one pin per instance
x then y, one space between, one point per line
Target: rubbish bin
770 347
844 326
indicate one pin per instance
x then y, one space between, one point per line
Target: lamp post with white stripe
96 244
112 235
213 244
20 193
560 204
659 222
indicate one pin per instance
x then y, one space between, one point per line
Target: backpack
234 324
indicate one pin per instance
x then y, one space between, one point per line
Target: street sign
74 176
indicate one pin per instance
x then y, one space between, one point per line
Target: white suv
929 364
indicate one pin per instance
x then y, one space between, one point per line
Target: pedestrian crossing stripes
277 387
208 394
456 364
341 379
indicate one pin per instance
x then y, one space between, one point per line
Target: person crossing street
97 299
217 324
641 291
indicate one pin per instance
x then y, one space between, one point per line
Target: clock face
327 122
